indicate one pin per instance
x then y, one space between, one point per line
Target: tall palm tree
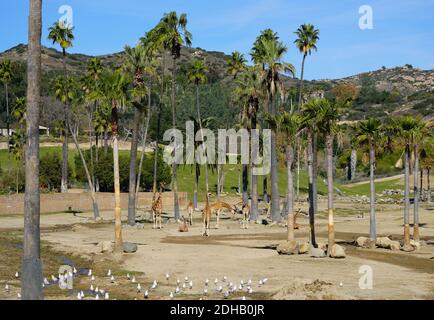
271 55
290 124
31 275
172 32
369 132
196 75
63 35
114 91
6 77
328 117
407 128
236 64
307 37
135 61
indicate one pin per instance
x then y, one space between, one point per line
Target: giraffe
157 209
183 226
206 216
218 207
190 211
246 215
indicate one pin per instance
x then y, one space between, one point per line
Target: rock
323 246
415 244
407 248
105 246
384 242
289 247
337 252
303 248
140 226
395 246
130 247
317 252
147 216
364 242
99 219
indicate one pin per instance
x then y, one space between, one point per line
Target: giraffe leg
218 219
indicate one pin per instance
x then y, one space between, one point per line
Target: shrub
50 172
12 180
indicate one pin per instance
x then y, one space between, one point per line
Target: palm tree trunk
407 196
64 181
239 179
275 196
331 225
88 176
298 169
196 184
31 274
139 174
105 142
203 142
315 172
421 185
311 193
160 107
254 178
245 183
290 191
117 187
7 115
428 183
264 192
372 219
416 235
138 114
175 182
300 94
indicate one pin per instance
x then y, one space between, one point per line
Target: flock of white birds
222 288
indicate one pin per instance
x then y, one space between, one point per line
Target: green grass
364 189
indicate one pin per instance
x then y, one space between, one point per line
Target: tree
6 77
368 133
196 75
235 64
269 51
290 124
31 275
63 35
113 91
172 33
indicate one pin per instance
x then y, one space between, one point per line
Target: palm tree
290 124
114 91
307 37
407 128
328 116
270 53
369 132
31 275
135 61
6 77
63 35
196 74
236 64
172 33
19 110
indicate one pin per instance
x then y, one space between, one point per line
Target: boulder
364 242
303 248
130 247
415 244
317 252
337 252
289 247
323 246
384 242
395 246
105 246
407 248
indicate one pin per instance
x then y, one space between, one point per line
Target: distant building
4 132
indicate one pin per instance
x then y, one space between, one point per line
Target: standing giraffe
206 216
157 209
190 210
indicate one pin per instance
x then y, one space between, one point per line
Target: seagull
46 281
154 284
265 280
93 278
243 298
139 288
234 288
134 279
225 278
112 279
101 291
341 284
242 282
205 291
177 290
186 279
250 291
240 287
167 276
53 278
17 275
97 290
19 295
206 282
7 288
74 271
220 289
183 286
90 272
97 297
230 284
171 296
249 282
226 294
107 297
82 294
261 282
178 282
191 284
216 281
146 294
109 273
91 287
128 276
78 296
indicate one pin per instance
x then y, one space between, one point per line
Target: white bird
139 287
230 284
106 296
78 296
206 282
91 287
243 298
46 281
112 279
101 291
240 287
19 295
82 294
109 273
90 272
216 281
261 282
171 295
225 278
146 294
155 284
250 291
177 290
249 282
242 282
74 270
265 280
220 289
93 278
43 285
205 291
7 288
234 288
53 278
133 280
128 276
178 281
186 279
226 294
183 286
167 276
191 284
97 297
341 284
97 290
17 274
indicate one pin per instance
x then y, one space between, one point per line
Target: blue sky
403 30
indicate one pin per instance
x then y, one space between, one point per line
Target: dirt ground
239 254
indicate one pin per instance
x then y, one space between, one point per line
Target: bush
50 172
12 180
103 170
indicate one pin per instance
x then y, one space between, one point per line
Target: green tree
236 64
6 77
